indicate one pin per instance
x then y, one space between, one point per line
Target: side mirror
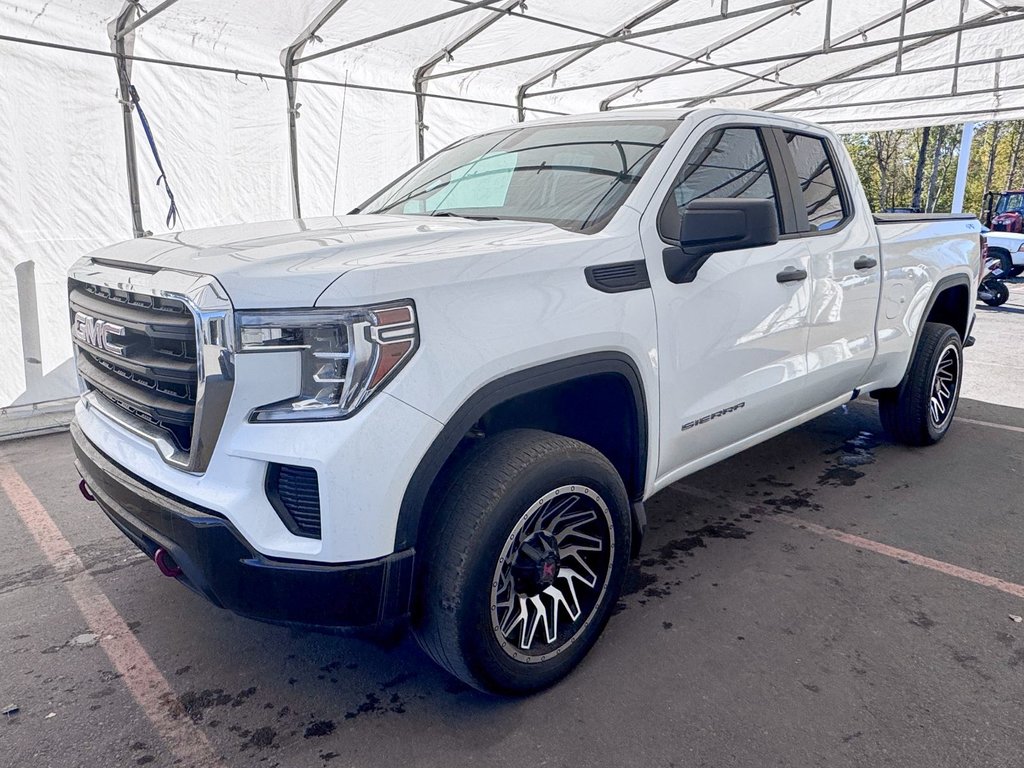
987 203
712 225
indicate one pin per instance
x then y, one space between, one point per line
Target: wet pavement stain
667 557
858 451
318 729
195 703
769 494
800 499
263 737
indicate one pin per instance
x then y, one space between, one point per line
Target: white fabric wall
224 141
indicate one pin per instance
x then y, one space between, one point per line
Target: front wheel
527 554
920 411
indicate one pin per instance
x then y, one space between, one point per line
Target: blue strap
172 212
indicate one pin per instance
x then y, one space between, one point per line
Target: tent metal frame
706 52
765 79
820 84
827 46
121 30
980 23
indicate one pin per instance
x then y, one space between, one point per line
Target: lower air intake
294 492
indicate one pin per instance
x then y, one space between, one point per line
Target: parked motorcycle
992 290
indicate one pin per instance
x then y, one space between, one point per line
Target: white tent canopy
264 110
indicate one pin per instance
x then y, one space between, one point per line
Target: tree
918 167
994 145
922 157
933 180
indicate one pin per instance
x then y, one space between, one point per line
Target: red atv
1005 213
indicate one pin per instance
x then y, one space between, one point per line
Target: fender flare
501 390
949 281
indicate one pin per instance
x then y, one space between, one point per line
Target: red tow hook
166 563
84 488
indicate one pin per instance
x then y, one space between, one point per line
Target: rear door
732 342
845 273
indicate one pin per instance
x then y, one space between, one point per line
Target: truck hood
290 263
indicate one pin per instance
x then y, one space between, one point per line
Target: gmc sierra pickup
448 407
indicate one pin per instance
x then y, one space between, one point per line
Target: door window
728 162
818 181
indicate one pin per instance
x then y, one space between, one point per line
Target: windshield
1010 202
572 175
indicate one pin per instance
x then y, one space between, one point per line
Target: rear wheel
527 555
1000 293
920 411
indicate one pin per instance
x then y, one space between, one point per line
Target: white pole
961 168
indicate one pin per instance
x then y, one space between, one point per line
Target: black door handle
865 262
791 275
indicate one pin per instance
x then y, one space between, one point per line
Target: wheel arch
950 303
529 386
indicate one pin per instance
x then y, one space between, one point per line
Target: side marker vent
619 277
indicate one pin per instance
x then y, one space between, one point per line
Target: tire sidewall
949 339
485 658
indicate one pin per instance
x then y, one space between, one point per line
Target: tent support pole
625 38
446 54
723 42
468 8
867 78
131 159
827 42
842 39
288 61
128 21
839 77
785 60
133 25
962 164
293 138
959 44
575 56
903 31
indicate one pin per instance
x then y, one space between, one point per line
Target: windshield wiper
463 216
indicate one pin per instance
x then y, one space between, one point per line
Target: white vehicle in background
449 406
1013 245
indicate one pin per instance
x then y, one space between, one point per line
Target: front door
732 342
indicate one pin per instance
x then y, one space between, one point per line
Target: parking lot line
988 424
139 673
903 555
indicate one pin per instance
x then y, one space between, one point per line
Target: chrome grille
155 377
154 349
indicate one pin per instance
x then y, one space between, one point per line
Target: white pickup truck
448 407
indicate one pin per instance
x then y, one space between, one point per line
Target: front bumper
217 562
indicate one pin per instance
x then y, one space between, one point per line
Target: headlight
347 354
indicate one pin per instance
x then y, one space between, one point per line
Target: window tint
728 162
818 181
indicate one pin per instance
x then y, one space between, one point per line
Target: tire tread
473 488
904 412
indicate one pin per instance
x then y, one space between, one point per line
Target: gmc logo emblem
96 333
